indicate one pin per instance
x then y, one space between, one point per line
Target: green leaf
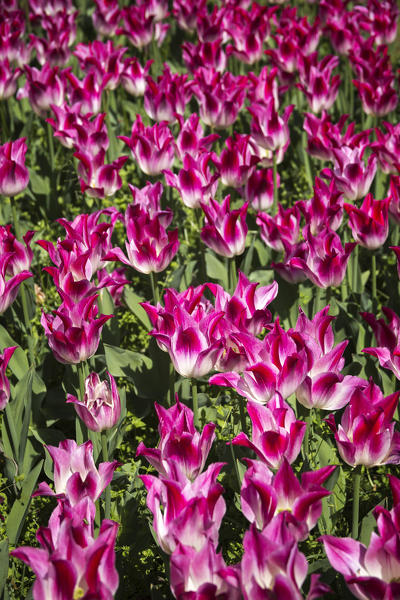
367 526
17 516
122 362
216 269
4 560
19 362
39 185
132 300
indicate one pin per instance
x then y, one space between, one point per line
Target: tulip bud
100 407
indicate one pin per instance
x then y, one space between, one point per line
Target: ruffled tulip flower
249 29
100 407
326 259
292 273
271 567
265 495
388 338
21 254
182 451
236 162
73 333
133 77
168 96
220 97
140 27
268 129
263 85
378 100
280 363
225 230
192 512
75 474
317 83
4 383
246 309
186 13
97 179
9 286
151 147
351 175
104 59
202 574
191 140
370 223
106 16
283 228
150 248
85 95
192 343
195 181
71 562
8 79
366 433
43 88
259 189
276 433
14 175
380 19
371 573
210 55
387 148
324 209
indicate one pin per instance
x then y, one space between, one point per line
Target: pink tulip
106 16
8 79
366 434
141 27
85 95
225 230
190 138
182 451
75 474
14 175
151 147
387 148
259 189
133 77
195 181
43 87
236 162
167 97
220 97
100 408
186 13
71 562
74 332
210 55
276 433
97 179
281 229
9 286
370 223
324 209
104 59
351 175
4 383
388 339
268 129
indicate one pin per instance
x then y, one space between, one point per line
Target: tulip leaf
216 269
132 300
367 526
122 362
39 185
17 516
18 362
4 560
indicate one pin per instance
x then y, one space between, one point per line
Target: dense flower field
199 300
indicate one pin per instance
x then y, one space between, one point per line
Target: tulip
351 175
8 79
281 229
276 433
236 162
43 87
133 77
186 13
387 337
85 95
324 209
168 97
182 452
190 138
370 223
151 147
210 55
268 129
317 83
225 230
14 175
100 407
195 182
9 286
75 474
74 332
4 383
97 179
106 16
141 27
20 255
220 97
104 59
71 562
366 434
259 189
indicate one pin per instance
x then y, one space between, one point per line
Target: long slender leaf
19 510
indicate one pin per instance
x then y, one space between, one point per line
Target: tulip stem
356 500
242 415
233 277
275 175
171 384
195 403
104 450
24 301
154 287
373 275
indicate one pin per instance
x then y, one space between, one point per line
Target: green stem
275 174
171 384
306 161
195 403
4 127
104 449
355 268
24 300
239 483
154 287
233 278
242 415
373 274
356 500
317 299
